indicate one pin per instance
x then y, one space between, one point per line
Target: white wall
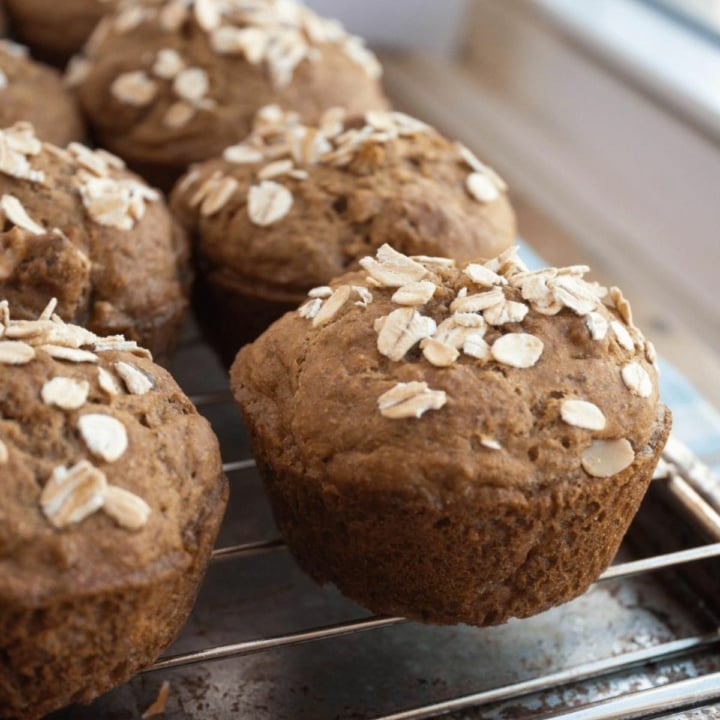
429 25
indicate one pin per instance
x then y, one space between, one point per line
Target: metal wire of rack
681 692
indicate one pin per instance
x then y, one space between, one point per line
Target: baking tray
265 643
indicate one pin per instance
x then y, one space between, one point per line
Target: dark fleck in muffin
171 82
454 443
294 206
113 492
56 30
79 227
34 92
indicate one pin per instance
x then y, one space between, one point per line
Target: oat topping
417 293
410 400
168 64
14 211
275 35
490 443
72 494
218 196
465 323
637 379
268 202
70 354
310 309
332 306
128 510
134 88
107 382
622 336
439 353
136 381
481 275
4 453
104 436
323 292
518 350
15 353
393 269
482 188
582 414
402 330
112 201
597 325
191 84
17 145
65 393
605 458
179 114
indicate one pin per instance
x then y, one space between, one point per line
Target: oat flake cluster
484 301
285 147
117 202
76 492
276 35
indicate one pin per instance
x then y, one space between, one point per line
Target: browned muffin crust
56 30
294 206
454 444
113 492
35 93
79 227
168 83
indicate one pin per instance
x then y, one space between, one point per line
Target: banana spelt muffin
34 92
294 206
454 443
113 492
77 226
56 30
171 82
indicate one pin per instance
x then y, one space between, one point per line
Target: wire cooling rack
265 643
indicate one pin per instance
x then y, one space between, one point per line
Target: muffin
454 443
113 492
56 30
34 92
171 82
79 227
294 206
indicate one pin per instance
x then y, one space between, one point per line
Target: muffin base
71 650
231 317
481 561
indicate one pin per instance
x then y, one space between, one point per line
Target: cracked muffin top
294 205
79 227
56 30
170 82
429 376
99 450
35 93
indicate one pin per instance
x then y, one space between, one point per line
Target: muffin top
293 206
417 375
34 92
99 451
78 226
175 81
57 29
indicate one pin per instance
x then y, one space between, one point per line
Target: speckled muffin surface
58 29
171 82
32 92
454 444
293 206
79 227
113 491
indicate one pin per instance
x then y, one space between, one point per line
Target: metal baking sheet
376 673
